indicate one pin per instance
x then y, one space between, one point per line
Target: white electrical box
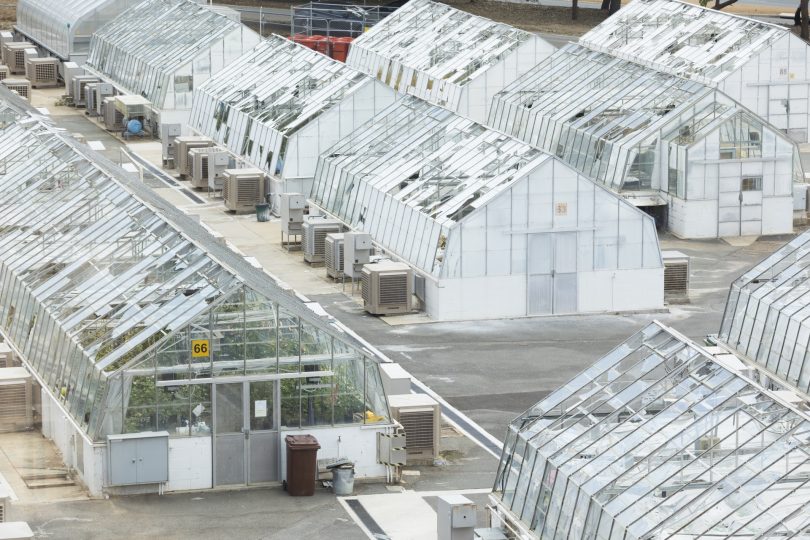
455 518
292 212
357 249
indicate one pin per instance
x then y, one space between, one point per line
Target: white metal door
739 212
552 273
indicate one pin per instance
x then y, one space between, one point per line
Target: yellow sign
199 348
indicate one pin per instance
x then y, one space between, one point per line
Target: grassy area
8 14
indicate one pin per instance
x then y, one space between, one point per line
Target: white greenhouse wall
57 427
775 84
357 443
476 97
551 243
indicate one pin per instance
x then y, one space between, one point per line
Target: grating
418 427
394 288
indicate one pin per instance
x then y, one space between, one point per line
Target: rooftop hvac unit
333 255
70 70
4 72
676 274
79 89
21 86
42 72
113 119
243 189
292 213
207 166
184 144
357 249
387 288
313 237
14 55
420 416
6 36
132 106
168 137
96 92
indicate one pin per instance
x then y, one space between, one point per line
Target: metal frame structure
330 19
446 56
64 27
763 66
164 49
460 202
766 316
661 438
655 138
281 105
104 287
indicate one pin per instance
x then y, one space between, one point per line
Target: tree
805 30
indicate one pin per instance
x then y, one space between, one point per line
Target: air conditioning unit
133 106
96 92
168 136
292 212
21 86
42 72
420 416
387 288
70 70
6 36
357 249
313 237
676 275
5 497
184 144
14 55
79 89
207 167
16 399
333 255
113 119
243 189
4 72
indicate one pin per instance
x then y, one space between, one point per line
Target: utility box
16 399
138 458
357 248
391 449
292 213
168 137
455 518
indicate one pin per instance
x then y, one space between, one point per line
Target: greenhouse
134 319
164 49
661 438
495 227
446 56
64 27
763 66
282 105
766 314
703 164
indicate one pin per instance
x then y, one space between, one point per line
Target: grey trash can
262 212
343 479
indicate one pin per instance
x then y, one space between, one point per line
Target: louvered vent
248 191
676 278
366 286
418 427
13 406
4 72
2 512
19 60
204 166
393 289
334 255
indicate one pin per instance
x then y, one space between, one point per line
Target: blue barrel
134 127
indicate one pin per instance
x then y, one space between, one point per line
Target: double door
552 273
246 439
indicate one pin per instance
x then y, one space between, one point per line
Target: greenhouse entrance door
552 273
246 439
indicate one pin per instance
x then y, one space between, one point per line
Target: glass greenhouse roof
447 44
103 282
683 39
661 438
282 85
57 23
766 316
145 47
597 112
428 162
